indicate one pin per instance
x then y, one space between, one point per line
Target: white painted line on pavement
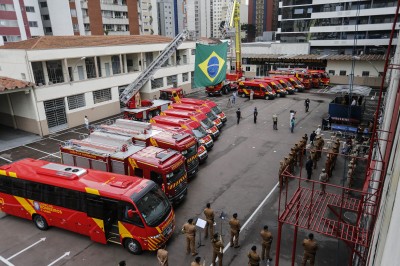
5 159
252 215
38 150
6 261
25 249
41 158
60 258
55 139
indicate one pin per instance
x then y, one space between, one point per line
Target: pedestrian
196 262
209 213
275 120
318 130
310 249
234 97
229 104
292 115
312 137
254 259
86 119
354 102
238 116
189 229
255 113
292 125
162 256
218 248
235 229
307 104
323 178
309 167
122 263
266 237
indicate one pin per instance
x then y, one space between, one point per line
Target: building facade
166 21
263 15
76 76
338 27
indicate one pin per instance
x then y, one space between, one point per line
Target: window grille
101 95
157 83
76 101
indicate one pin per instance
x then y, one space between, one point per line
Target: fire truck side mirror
131 213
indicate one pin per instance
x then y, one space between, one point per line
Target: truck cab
298 86
284 83
260 89
210 104
276 86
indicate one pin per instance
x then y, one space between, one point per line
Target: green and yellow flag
210 64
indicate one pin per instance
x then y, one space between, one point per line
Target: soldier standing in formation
162 256
314 157
209 213
235 229
309 167
218 247
323 177
281 177
310 249
266 243
189 229
254 259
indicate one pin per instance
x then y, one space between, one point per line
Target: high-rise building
338 27
263 14
197 17
166 15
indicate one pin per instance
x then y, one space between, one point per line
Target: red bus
107 207
260 89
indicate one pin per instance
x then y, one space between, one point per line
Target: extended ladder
136 85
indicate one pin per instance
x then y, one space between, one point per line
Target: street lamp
73 69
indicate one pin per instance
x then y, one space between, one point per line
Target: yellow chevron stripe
92 191
100 223
3 172
26 205
12 174
123 231
153 142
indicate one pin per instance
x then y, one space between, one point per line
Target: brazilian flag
210 64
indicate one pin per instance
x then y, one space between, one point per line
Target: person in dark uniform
255 113
275 120
189 229
254 259
218 247
266 243
309 167
312 137
307 104
209 213
238 115
235 229
310 249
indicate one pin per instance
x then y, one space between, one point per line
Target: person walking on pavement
310 249
162 256
86 120
307 104
266 243
254 259
292 125
235 229
312 137
323 177
275 120
209 213
234 97
189 229
255 113
309 167
196 262
218 247
292 115
318 130
238 116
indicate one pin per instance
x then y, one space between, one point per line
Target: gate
55 114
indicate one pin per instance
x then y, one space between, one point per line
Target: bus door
110 210
95 213
131 227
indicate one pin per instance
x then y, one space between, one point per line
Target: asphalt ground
240 176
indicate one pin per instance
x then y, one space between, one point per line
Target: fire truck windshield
199 132
176 174
191 151
206 123
283 84
154 206
216 110
211 116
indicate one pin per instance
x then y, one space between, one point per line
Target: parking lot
240 176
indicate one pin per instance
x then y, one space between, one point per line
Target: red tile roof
11 84
60 42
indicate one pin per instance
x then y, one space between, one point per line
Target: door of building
55 114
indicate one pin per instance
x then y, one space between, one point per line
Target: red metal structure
304 207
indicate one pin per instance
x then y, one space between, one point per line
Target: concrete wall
263 48
373 67
13 65
60 17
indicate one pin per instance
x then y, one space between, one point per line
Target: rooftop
11 84
331 57
61 42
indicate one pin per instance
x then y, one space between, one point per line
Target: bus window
156 177
94 207
138 172
134 219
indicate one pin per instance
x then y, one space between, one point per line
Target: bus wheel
40 222
132 246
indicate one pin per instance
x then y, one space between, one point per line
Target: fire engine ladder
228 17
136 85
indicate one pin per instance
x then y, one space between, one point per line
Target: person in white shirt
354 102
86 122
318 130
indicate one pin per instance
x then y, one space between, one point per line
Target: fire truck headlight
202 141
170 175
156 236
184 152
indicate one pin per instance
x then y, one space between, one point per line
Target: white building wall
263 48
60 18
14 65
35 16
205 19
190 15
373 67
21 25
79 17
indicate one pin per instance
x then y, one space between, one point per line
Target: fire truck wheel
266 97
156 113
132 246
278 95
243 95
40 222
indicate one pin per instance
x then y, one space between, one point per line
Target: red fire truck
304 78
198 108
298 86
198 131
324 77
146 110
116 154
107 207
176 95
143 133
260 89
284 83
275 86
195 116
201 149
